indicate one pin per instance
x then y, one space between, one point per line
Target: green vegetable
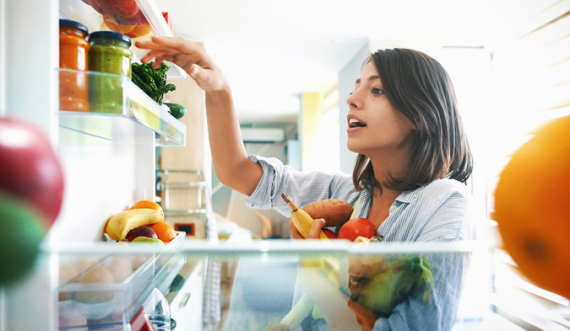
152 81
406 275
176 110
177 283
22 234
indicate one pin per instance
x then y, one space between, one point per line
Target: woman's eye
377 91
351 93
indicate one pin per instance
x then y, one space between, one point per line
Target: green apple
22 233
152 241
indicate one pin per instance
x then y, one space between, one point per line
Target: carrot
334 211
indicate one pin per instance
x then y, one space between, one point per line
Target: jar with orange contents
73 52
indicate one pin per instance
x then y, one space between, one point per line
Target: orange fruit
118 27
149 205
532 207
139 31
163 231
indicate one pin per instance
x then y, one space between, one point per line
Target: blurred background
292 65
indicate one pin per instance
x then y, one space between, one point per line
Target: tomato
357 227
329 233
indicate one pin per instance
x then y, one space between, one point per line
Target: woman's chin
353 147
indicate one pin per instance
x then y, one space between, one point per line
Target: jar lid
109 34
73 24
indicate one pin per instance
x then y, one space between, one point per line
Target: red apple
329 233
29 167
143 231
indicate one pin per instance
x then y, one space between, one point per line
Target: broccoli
152 81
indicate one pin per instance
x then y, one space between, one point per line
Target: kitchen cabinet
186 304
186 171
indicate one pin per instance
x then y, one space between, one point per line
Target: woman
413 161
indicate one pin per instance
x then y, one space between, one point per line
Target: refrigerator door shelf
120 112
112 305
109 16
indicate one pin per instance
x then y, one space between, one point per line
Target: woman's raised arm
231 163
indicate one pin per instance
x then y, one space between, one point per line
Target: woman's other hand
365 318
191 57
314 232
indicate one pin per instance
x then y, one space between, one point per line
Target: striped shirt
436 212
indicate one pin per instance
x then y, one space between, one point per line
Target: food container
91 299
109 53
73 51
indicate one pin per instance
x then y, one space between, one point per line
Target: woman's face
374 125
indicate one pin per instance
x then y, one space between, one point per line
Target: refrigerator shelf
150 15
120 112
111 306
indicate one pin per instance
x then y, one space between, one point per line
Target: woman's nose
352 100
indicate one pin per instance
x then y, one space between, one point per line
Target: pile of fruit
144 222
336 213
93 302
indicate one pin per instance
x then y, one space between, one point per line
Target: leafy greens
152 81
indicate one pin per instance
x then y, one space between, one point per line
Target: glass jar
109 53
73 51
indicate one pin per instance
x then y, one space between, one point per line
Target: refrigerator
109 163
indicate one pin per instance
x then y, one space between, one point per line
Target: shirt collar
408 196
405 197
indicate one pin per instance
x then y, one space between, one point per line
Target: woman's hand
365 318
314 232
191 57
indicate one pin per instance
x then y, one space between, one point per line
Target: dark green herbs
152 81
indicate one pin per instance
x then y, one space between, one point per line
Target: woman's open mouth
354 123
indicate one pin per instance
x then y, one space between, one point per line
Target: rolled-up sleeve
303 188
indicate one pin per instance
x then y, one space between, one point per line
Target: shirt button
393 209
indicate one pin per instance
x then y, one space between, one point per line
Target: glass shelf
149 20
120 111
260 277
109 289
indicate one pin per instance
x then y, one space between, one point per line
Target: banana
301 219
120 224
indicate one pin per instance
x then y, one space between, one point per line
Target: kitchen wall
231 204
320 123
346 78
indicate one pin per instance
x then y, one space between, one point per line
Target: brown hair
419 87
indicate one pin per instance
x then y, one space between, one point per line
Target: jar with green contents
109 53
